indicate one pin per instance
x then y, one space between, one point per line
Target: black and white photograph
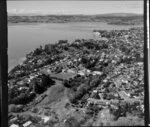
75 63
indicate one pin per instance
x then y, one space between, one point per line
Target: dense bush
52 49
63 42
41 83
23 98
123 108
48 48
66 83
12 93
37 85
83 88
74 83
89 45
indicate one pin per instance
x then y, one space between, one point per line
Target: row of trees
81 88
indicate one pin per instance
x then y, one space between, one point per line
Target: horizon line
43 14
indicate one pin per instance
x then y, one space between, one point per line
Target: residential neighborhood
97 82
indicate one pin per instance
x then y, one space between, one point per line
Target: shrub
63 42
66 83
12 93
38 51
72 122
13 108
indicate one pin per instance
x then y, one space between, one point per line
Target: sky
74 7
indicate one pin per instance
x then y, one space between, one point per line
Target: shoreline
38 23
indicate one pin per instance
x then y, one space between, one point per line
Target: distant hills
40 14
113 18
122 14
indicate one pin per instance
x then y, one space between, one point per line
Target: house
97 102
70 71
20 83
27 124
21 88
45 118
31 77
140 63
14 125
48 70
127 94
97 73
142 108
82 73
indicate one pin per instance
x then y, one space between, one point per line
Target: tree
48 48
66 83
37 51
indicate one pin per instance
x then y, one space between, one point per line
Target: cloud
16 11
23 11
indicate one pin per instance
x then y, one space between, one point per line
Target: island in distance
89 82
114 18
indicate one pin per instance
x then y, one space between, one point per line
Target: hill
115 18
